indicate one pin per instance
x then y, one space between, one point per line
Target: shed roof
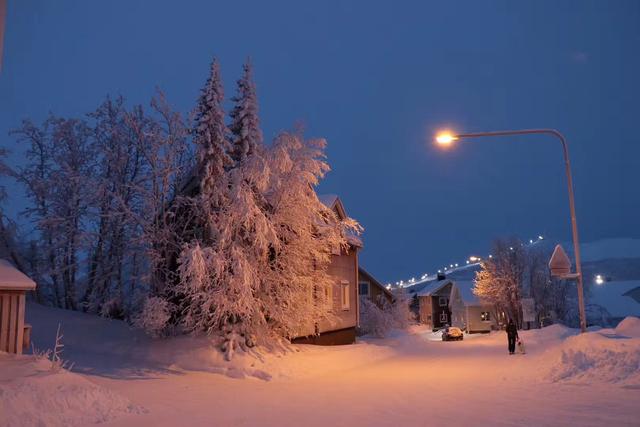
13 279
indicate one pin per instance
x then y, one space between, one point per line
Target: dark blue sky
376 79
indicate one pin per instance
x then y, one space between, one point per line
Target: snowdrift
31 394
602 356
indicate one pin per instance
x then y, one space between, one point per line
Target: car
452 333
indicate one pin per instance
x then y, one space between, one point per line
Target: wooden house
433 303
467 311
370 287
344 294
13 287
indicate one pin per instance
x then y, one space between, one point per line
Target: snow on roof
610 295
433 287
328 199
12 279
466 291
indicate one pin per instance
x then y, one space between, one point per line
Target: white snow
31 394
404 379
610 295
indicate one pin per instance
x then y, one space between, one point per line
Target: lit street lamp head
445 138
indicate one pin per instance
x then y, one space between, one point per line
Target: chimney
441 276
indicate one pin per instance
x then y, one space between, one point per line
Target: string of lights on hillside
470 261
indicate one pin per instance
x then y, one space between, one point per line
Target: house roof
329 200
13 279
334 203
433 287
374 281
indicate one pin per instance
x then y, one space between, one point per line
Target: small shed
13 287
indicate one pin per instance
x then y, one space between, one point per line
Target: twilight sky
376 79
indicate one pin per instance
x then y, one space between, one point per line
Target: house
433 303
467 311
370 287
13 287
344 295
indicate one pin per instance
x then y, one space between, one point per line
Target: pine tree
245 125
210 136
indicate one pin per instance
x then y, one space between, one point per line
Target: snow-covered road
405 380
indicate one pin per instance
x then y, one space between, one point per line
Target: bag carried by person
521 347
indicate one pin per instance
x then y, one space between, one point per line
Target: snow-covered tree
210 138
308 232
222 280
499 282
59 165
245 124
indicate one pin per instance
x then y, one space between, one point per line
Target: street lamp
447 138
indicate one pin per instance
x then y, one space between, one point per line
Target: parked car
452 333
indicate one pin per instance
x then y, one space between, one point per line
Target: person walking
512 336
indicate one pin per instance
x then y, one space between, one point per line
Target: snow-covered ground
122 378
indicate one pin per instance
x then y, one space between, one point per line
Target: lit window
345 295
364 289
485 316
442 301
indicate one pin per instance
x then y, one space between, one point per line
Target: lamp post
448 138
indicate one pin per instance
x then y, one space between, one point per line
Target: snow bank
603 356
629 327
31 394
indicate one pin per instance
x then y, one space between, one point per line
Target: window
364 289
443 317
328 294
485 316
442 301
344 285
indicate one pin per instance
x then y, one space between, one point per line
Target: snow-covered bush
375 320
401 310
154 316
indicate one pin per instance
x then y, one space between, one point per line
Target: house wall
429 310
12 307
344 268
340 329
375 293
425 310
458 310
438 309
475 322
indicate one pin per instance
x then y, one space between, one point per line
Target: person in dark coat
512 336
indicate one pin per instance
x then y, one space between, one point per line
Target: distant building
468 312
369 287
433 304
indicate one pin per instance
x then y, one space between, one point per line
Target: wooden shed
13 287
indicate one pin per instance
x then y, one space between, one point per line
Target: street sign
528 310
559 264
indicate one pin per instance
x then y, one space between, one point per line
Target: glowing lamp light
540 237
445 138
599 280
